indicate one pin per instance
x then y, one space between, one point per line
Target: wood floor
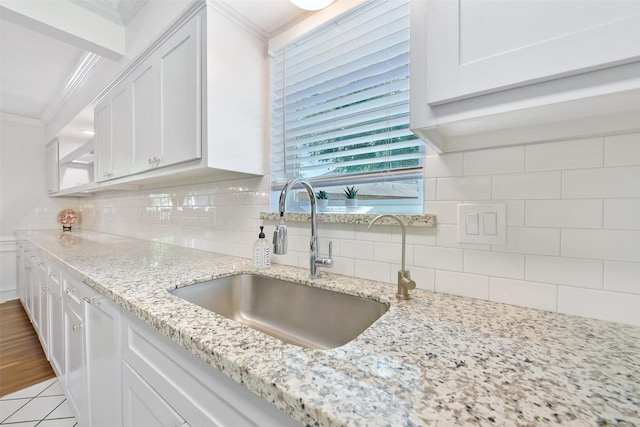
22 361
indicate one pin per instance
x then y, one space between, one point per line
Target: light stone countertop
434 360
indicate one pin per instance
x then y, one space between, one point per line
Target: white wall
573 239
23 196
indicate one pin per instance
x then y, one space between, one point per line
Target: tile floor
42 405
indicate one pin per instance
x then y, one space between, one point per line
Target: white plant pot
321 204
351 203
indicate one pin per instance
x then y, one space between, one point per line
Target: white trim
239 19
19 119
87 63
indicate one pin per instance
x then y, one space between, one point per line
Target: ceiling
38 71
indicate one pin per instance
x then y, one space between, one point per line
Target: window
340 109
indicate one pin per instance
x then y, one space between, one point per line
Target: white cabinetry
490 72
143 406
201 395
56 319
51 158
196 106
102 339
116 370
75 365
113 127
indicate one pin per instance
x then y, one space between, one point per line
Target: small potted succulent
322 199
351 196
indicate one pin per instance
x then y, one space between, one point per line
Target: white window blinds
340 99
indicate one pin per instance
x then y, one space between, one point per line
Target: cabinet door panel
102 318
180 94
102 124
142 405
121 148
75 372
476 47
146 145
56 327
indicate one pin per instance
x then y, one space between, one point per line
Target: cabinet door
56 325
74 356
144 95
102 125
142 406
121 132
180 94
475 47
102 318
21 277
43 312
52 159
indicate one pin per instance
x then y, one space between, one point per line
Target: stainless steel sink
295 313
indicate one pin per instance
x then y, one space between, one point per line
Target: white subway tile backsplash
541 296
494 161
601 183
392 253
622 214
425 278
579 213
416 236
356 249
622 150
499 264
584 273
373 270
341 265
538 241
515 213
467 285
430 189
439 258
464 188
622 277
558 197
448 237
612 306
443 165
610 245
534 185
577 154
445 212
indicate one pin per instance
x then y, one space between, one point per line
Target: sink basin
295 313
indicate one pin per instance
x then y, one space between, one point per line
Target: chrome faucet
280 235
405 283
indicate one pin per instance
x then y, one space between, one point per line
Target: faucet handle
328 261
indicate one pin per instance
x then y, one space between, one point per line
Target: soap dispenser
261 251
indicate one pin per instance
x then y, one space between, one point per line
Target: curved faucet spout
280 235
373 221
405 283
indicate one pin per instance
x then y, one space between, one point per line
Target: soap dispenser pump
261 251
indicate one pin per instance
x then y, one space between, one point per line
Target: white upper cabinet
191 106
180 95
489 72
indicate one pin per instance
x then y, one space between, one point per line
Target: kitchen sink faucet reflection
280 235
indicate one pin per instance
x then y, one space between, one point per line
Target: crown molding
87 63
20 119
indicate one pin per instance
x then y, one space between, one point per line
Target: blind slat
340 97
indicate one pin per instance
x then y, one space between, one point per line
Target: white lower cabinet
201 395
142 405
56 320
75 372
102 340
118 371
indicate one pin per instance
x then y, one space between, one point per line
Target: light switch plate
484 223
